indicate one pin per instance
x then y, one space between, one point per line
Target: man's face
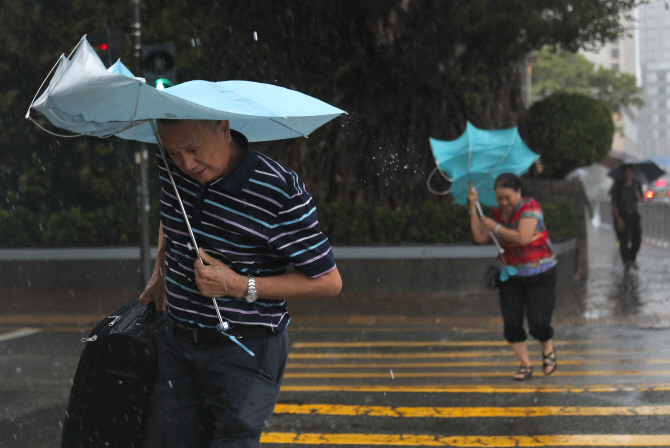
199 150
628 174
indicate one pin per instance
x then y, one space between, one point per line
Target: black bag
111 396
492 277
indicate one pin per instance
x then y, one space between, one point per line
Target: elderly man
626 194
253 218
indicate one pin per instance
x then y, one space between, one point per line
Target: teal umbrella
477 158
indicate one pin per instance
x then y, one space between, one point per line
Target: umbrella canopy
86 98
478 157
645 171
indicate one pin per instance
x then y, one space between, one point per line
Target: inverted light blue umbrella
477 158
86 98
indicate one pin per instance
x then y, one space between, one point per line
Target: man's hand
217 280
155 291
620 224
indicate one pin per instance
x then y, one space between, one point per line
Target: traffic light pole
142 160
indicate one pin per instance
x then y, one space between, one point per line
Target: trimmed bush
568 130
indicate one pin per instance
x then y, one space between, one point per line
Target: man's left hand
215 279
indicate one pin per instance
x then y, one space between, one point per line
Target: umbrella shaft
174 185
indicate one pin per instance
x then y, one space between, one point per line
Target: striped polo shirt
259 219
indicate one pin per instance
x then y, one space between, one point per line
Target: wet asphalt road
375 371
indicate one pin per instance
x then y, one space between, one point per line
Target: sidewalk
610 297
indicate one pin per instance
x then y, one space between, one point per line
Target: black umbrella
646 171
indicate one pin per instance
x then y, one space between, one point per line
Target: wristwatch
252 295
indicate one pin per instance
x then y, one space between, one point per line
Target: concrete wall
366 269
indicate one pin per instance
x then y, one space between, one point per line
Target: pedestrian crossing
456 389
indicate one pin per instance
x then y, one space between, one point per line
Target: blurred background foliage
404 70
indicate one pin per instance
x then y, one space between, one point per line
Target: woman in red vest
527 269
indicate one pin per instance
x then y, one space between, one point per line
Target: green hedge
443 222
344 223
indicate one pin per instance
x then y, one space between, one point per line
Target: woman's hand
473 197
488 224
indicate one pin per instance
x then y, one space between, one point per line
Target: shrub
568 130
344 223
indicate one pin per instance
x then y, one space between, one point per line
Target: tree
404 70
568 130
558 70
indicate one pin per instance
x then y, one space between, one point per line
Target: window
615 67
615 53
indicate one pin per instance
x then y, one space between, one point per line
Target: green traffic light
162 83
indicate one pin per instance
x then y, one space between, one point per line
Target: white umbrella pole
495 240
222 325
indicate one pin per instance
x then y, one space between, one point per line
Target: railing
655 221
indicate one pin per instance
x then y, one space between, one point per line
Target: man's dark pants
630 238
217 395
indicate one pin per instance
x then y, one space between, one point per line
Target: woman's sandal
549 360
526 373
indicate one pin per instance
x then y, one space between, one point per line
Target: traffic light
158 65
107 43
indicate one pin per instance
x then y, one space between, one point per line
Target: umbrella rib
52 69
52 133
42 85
467 129
288 127
137 101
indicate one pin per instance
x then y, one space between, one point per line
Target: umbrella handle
431 189
493 237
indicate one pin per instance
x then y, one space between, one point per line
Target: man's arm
217 280
155 290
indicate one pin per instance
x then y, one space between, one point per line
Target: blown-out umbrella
86 98
477 158
645 171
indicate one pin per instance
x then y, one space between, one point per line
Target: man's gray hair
212 124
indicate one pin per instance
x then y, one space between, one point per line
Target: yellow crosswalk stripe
471 374
427 365
602 440
370 344
457 354
470 411
480 389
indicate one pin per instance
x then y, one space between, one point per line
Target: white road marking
19 333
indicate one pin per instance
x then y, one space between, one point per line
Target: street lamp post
142 161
